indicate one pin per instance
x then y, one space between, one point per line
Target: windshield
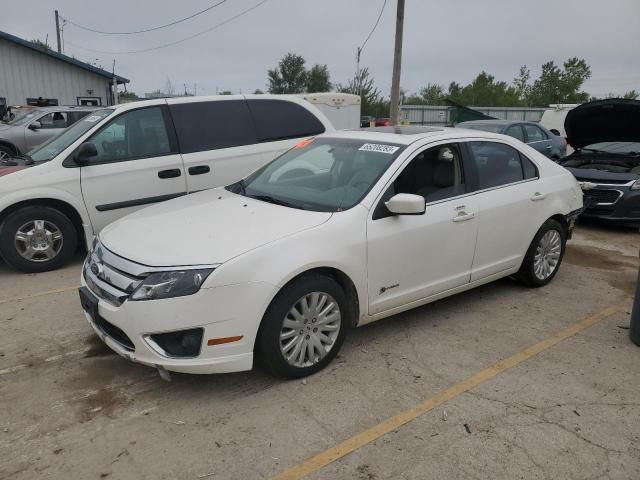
323 174
622 148
23 115
55 145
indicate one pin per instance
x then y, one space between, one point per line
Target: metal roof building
29 72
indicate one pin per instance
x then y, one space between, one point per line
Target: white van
553 118
121 158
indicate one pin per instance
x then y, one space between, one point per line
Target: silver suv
33 126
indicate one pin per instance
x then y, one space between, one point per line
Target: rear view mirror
35 125
406 204
555 132
86 151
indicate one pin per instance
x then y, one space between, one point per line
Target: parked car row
285 255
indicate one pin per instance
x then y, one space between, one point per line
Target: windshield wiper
275 201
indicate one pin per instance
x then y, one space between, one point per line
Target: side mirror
406 204
35 125
86 151
555 132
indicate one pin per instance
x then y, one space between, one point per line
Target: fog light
182 343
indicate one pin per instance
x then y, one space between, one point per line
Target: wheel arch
66 208
8 144
344 280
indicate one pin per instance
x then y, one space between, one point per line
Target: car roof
406 135
496 122
67 107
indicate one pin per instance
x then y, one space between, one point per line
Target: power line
214 27
210 7
361 47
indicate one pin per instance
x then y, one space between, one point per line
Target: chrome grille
603 196
111 277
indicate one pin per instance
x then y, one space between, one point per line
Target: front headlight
636 185
176 283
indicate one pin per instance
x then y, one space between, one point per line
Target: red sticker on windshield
304 143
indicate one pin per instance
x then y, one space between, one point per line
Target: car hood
613 120
602 176
204 228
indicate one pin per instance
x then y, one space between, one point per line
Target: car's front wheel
543 258
304 327
37 239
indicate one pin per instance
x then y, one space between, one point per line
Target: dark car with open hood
606 137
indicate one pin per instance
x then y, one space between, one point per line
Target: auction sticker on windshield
379 147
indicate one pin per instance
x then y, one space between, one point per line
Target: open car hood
611 120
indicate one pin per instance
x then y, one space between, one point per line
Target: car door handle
463 217
199 170
171 173
548 147
538 196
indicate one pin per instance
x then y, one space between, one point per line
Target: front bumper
624 211
222 312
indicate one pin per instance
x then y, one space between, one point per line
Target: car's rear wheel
304 327
37 239
543 258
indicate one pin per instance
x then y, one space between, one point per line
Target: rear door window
280 120
496 164
203 126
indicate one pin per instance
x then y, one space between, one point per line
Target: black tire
268 350
4 149
527 274
15 220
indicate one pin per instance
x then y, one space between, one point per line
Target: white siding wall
28 73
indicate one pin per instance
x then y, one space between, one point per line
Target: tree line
556 84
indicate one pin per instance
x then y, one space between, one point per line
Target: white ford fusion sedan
341 230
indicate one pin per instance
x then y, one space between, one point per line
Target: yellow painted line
39 294
361 439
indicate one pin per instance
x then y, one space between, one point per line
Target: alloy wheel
38 241
310 329
547 254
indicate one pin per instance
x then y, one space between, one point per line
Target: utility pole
58 31
397 61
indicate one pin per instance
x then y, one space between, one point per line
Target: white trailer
343 109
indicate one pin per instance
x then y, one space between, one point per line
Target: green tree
371 101
128 95
521 84
484 91
226 92
556 85
318 79
431 94
631 95
41 44
258 92
289 76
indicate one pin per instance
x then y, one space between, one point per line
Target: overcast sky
444 40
